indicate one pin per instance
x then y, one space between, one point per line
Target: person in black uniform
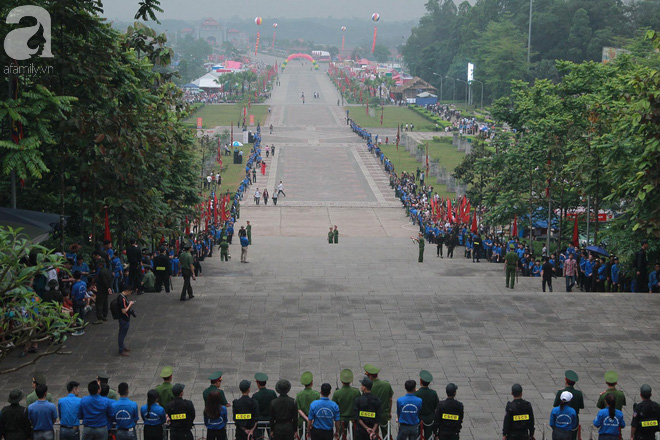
439 241
646 416
448 416
367 412
519 417
641 267
163 270
181 414
476 248
246 412
283 412
14 422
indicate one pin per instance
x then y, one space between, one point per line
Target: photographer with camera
125 319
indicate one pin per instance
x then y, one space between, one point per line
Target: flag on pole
515 226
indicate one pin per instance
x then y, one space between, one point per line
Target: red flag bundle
187 226
450 214
474 222
515 226
215 208
468 208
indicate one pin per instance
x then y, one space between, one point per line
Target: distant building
211 31
411 89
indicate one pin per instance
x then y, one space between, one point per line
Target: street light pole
482 92
440 85
453 87
466 92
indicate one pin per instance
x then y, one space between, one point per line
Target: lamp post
482 92
453 87
466 91
436 74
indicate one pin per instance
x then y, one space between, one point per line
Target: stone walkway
302 304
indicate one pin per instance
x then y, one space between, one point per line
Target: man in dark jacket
163 270
103 289
641 267
283 413
14 422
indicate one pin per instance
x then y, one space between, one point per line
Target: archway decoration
300 55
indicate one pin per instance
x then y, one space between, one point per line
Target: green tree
381 53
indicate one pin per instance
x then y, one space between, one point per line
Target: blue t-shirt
84 267
218 423
79 290
608 425
244 242
42 414
407 408
68 408
124 413
564 419
95 411
323 412
153 416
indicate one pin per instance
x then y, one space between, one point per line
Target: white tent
208 81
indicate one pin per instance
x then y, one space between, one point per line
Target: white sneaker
78 333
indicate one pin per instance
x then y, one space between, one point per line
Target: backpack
115 308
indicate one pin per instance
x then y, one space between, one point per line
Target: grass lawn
214 115
232 175
392 116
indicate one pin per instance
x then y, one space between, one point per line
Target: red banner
373 46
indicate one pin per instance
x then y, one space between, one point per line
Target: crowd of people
368 411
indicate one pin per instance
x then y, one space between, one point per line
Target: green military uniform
336 235
421 242
248 229
264 397
429 403
165 394
103 378
214 377
305 398
224 250
345 396
149 282
511 261
577 402
112 394
32 397
186 259
383 390
330 236
284 414
611 377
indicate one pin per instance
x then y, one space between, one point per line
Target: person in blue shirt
154 417
117 269
79 300
244 249
215 417
588 272
323 416
407 412
68 408
609 420
536 270
82 267
95 412
42 415
654 279
615 270
563 418
124 414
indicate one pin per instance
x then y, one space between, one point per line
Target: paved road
303 304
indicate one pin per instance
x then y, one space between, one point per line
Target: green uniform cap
216 375
166 372
103 376
512 246
611 376
571 375
426 376
306 378
371 369
261 377
645 389
346 376
39 377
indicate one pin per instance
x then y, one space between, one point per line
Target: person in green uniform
248 228
224 249
383 390
577 402
304 399
611 379
216 380
330 235
419 240
510 265
37 378
345 398
335 235
263 397
102 379
148 280
429 402
187 264
165 394
283 413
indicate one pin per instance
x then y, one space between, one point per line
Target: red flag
474 222
106 235
450 213
398 136
576 237
515 226
373 46
215 208
187 226
222 208
468 208
227 207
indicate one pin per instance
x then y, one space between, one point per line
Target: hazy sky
389 10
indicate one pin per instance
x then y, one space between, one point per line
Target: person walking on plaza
547 270
420 241
367 412
164 390
570 272
246 411
163 270
323 416
429 402
577 399
449 415
244 249
384 392
68 408
345 397
283 413
124 320
265 196
188 271
646 416
274 197
609 420
305 398
224 250
563 418
280 186
153 416
407 413
611 379
335 235
257 196
519 417
42 415
125 414
510 265
248 232
330 236
181 414
14 421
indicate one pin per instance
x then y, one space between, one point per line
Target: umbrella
598 250
236 144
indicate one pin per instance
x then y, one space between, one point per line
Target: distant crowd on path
105 413
202 97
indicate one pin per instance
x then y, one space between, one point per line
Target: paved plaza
302 304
